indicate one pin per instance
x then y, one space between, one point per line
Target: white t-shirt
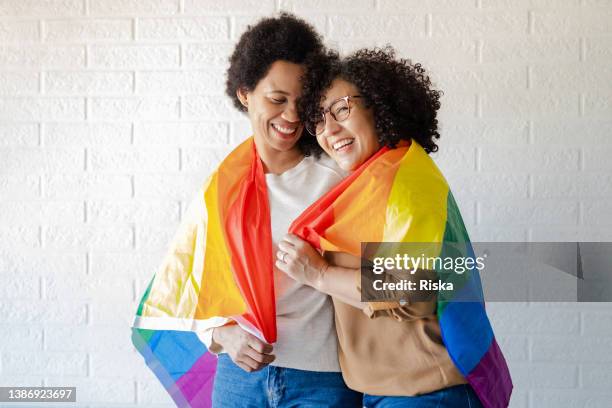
304 316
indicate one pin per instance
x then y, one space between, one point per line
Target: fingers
259 346
261 359
288 248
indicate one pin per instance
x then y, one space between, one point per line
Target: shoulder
326 165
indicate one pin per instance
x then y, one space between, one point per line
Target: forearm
340 282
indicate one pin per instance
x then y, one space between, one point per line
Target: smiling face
352 141
272 108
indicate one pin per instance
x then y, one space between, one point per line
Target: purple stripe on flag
197 383
491 380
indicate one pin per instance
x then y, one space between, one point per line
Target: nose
331 126
290 113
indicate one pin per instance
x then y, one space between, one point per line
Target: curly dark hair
399 92
271 39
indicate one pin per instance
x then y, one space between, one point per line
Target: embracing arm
298 259
303 263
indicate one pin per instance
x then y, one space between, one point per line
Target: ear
243 97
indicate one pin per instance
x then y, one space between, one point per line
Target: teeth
284 130
341 143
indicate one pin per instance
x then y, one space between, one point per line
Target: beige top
392 350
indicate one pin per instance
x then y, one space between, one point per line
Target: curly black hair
399 92
271 39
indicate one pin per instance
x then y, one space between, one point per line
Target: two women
272 327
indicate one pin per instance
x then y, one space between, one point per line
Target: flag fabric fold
399 195
219 266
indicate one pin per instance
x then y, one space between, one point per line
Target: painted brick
191 29
42 56
595 377
134 56
375 26
522 160
585 185
593 77
88 186
37 212
523 104
181 82
182 134
488 185
206 55
598 49
154 238
86 134
66 31
45 363
208 108
203 160
19 187
237 6
136 108
521 320
87 288
394 6
597 212
528 3
87 83
545 375
126 365
18 83
132 211
597 159
573 22
21 338
32 109
19 31
437 50
20 287
87 237
479 24
240 23
12 237
515 348
529 212
569 132
114 312
32 160
150 392
133 7
456 159
176 186
17 312
134 160
323 6
597 324
459 131
98 339
138 264
457 105
571 349
598 104
18 134
35 8
479 78
42 264
530 49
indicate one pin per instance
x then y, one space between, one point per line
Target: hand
298 259
246 350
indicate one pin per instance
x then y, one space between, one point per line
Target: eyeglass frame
328 110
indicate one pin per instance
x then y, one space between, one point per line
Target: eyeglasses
340 110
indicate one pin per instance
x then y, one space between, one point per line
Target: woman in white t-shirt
301 368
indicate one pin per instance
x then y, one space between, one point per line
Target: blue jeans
280 387
459 396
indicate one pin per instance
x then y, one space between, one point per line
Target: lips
284 130
342 144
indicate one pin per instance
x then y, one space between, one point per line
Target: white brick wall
112 113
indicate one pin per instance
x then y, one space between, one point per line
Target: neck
278 162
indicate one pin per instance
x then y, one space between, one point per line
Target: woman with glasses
375 115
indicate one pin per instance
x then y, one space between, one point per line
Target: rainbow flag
219 266
399 195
